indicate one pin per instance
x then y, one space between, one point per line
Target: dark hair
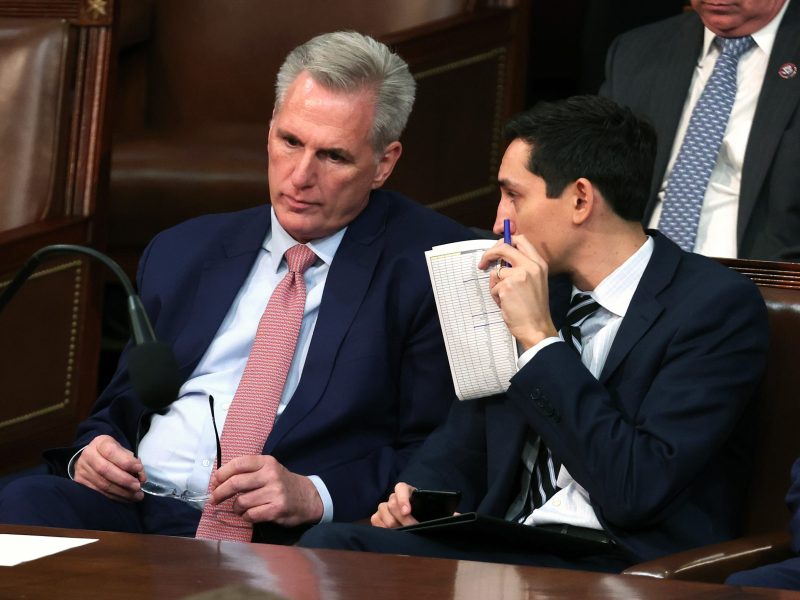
591 137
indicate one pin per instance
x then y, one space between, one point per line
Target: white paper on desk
481 351
16 549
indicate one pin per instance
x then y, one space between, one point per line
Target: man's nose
503 212
304 171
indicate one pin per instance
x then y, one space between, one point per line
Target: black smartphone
433 504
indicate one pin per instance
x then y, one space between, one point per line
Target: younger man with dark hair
634 427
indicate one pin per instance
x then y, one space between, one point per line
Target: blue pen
506 236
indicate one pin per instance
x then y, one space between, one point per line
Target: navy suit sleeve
793 501
454 456
638 441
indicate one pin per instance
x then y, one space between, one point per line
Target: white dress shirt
571 504
716 231
179 449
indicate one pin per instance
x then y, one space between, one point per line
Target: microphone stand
141 330
152 368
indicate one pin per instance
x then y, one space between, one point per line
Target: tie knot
735 47
581 306
299 258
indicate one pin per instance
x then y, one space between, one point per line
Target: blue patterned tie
688 181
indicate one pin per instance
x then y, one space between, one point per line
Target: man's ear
386 162
269 129
584 200
272 119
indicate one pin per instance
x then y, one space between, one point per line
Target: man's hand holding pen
520 290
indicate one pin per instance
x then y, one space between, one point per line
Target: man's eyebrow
344 153
505 183
340 151
285 134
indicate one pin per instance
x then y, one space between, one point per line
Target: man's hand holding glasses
118 473
104 465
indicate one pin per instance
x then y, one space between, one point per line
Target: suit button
536 394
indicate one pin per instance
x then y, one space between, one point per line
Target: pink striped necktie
256 401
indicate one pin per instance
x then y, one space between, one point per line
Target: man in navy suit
639 430
751 208
785 574
369 377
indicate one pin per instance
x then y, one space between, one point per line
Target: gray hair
348 61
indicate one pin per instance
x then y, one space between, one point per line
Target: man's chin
300 228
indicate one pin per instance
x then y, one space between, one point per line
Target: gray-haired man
365 376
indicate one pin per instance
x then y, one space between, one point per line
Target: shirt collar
278 241
764 37
615 292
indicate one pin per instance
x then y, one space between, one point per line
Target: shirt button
206 462
556 502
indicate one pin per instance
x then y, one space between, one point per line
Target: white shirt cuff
327 501
71 463
526 356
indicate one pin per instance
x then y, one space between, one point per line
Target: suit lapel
345 287
671 84
777 102
221 278
645 306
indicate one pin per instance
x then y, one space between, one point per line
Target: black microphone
152 367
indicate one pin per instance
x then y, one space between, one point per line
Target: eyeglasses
156 489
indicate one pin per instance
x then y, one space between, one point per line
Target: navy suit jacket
650 70
376 379
660 441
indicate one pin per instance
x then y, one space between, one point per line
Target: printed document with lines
481 351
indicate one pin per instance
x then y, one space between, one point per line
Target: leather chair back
778 409
54 80
33 74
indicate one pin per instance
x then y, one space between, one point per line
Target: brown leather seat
32 80
54 61
778 405
195 95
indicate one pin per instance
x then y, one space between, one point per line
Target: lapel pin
788 70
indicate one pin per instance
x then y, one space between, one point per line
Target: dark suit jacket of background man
650 70
661 441
376 378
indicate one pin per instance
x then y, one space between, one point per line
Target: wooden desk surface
137 566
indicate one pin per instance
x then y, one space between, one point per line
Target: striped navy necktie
581 308
545 469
